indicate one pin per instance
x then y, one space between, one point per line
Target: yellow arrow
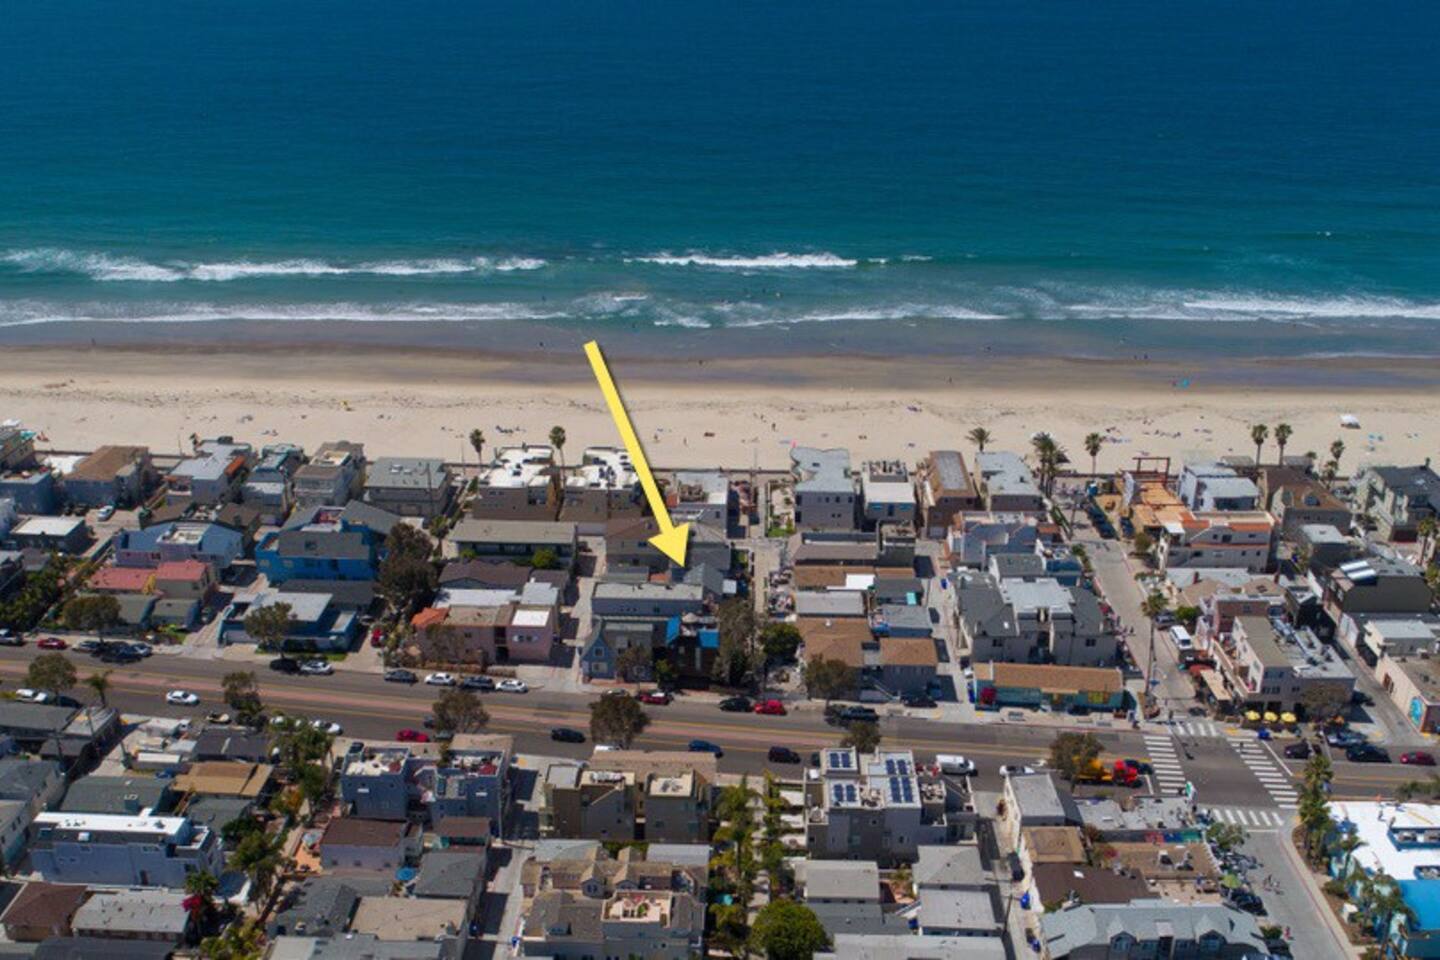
672 540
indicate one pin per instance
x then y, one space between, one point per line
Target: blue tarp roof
1423 896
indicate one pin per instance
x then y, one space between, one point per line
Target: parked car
106 512
955 765
1418 758
141 647
1299 750
52 643
782 755
567 735
118 653
409 735
851 714
317 668
606 747
440 679
735 704
401 676
285 665
1138 767
511 685
87 646
1367 753
1015 770
1344 738
705 746
182 698
9 638
1362 699
26 695
919 701
658 698
217 717
770 708
377 636
1247 901
328 726
477 683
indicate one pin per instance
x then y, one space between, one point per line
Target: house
395 781
878 806
69 735
1307 502
61 534
15 819
132 795
1007 484
1062 689
213 474
629 795
111 476
332 477
1398 498
484 575
39 783
355 843
627 545
357 946
184 579
17 446
513 539
409 486
457 875
652 924
267 487
658 600
494 633
701 496
322 906
231 743
1140 819
158 915
1244 539
178 540
316 623
602 487
316 555
887 493
975 538
1036 800
609 638
401 919
42 910
845 896
946 490
1321 548
907 664
120 850
824 488
1375 584
225 778
519 484
83 948
1413 685
1268 665
830 603
1209 487
905 946
1398 841
1034 621
1150 928
1373 636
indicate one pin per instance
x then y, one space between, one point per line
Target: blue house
316 622
177 540
307 554
1400 841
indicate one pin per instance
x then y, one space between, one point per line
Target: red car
1418 758
657 697
772 708
409 735
52 643
377 637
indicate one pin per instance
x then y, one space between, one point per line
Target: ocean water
1052 173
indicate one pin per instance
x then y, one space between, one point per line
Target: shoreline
735 412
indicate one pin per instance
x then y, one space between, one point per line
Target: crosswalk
1249 817
1272 777
1164 764
1197 728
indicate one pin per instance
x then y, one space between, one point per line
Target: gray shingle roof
1066 931
445 873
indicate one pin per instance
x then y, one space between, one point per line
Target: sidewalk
1315 897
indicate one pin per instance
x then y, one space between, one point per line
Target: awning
1215 686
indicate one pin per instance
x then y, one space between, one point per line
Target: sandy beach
734 412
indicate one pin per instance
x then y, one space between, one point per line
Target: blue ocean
1121 169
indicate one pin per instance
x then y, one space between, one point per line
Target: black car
853 714
782 755
1366 753
1299 750
736 705
1249 902
477 683
1362 699
401 676
119 654
285 665
919 700
567 735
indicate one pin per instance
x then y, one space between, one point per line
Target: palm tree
1153 606
1258 434
100 683
557 440
979 436
1282 437
477 442
1049 455
1346 847
1093 443
201 887
1387 903
1426 529
1337 450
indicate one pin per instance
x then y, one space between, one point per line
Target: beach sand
734 412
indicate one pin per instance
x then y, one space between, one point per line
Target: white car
328 726
955 765
605 747
440 679
318 668
512 686
1016 770
106 512
142 648
26 695
181 698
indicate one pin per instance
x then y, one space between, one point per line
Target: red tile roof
187 570
122 579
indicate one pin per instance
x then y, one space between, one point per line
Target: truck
1118 773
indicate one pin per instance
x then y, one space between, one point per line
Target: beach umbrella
1270 717
1230 881
1252 715
1287 718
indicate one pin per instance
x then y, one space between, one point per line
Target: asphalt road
366 706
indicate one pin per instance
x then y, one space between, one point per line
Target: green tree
738 628
829 678
242 940
1337 450
460 711
1093 443
100 683
406 582
786 930
1322 702
1142 544
1259 433
617 720
544 559
1226 836
1426 530
269 625
633 662
242 695
477 443
51 671
863 735
259 858
780 641
95 611
1071 754
1188 616
240 828
980 437
200 902
557 440
1283 432
299 743
1153 605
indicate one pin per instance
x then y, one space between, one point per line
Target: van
1181 637
952 764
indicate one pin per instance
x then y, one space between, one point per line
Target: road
368 707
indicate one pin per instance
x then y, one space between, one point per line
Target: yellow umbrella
1287 717
1251 715
1270 717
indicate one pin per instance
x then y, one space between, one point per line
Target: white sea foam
899 313
771 261
30 313
105 267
